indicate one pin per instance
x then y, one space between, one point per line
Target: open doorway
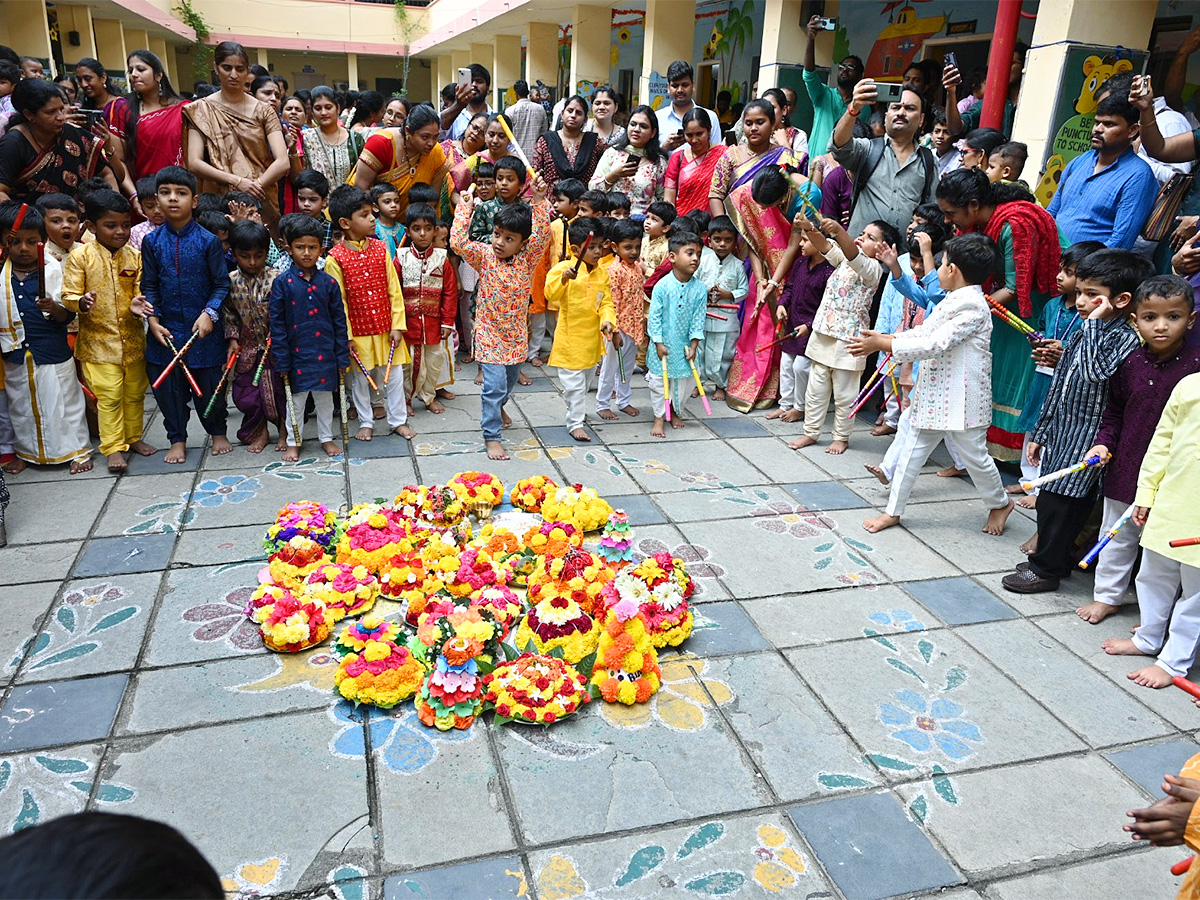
971 53
708 74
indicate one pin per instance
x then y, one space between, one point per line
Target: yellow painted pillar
79 20
262 58
506 66
591 33
784 39
459 59
1058 25
135 39
670 26
110 44
29 30
352 70
158 47
541 53
445 76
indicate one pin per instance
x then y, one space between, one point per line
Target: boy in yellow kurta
101 280
578 289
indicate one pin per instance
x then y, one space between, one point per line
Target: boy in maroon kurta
430 302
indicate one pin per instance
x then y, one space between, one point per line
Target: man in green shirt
828 104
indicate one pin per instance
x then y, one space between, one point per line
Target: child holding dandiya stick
675 327
430 299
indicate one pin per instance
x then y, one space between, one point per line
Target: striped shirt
1070 417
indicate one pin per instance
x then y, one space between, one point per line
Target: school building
733 44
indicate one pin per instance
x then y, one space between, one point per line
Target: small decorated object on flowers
480 491
265 595
476 570
304 517
443 505
292 624
346 590
382 673
553 539
559 622
354 637
401 575
502 603
535 689
626 668
408 501
529 493
661 586
580 506
296 560
616 544
580 575
506 547
374 534
451 695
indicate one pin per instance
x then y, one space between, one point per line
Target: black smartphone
91 116
950 60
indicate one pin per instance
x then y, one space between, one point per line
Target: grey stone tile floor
855 716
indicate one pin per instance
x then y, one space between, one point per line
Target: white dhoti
47 410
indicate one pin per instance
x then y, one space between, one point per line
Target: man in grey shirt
528 118
901 178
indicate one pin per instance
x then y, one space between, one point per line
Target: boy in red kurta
430 302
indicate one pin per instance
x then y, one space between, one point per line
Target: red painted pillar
1004 40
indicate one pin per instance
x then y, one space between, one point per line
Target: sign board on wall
657 94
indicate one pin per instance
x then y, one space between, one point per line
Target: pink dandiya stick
726 306
666 390
869 386
712 315
358 360
1184 542
882 381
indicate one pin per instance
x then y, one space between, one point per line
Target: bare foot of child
1151 677
365 433
352 413
631 411
445 394
878 473
405 431
1028 502
479 377
409 409
719 394
378 412
537 363
997 518
523 379
776 413
1121 647
176 453
291 454
259 442
141 448
659 429
1014 489
221 445
881 430
15 466
607 415
951 472
1096 612
793 415
582 436
331 449
495 450
695 393
677 422
837 448
1030 546
117 463
505 419
281 444
801 442
879 523
436 407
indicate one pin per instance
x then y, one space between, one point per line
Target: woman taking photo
403 156
690 170
606 104
569 152
329 148
234 142
639 168
97 89
152 122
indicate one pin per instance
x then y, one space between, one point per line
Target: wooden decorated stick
1028 486
666 390
1184 542
700 387
291 405
795 332
20 219
1007 315
1181 867
869 386
403 240
41 270
713 315
345 411
184 366
219 390
513 143
176 359
859 404
387 375
583 248
358 361
449 357
1108 536
620 359
262 362
1184 685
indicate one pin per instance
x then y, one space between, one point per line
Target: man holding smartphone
827 103
470 100
681 84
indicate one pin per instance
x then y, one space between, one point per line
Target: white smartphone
464 77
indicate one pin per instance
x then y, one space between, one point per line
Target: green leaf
510 653
905 668
701 838
115 618
955 677
66 618
62 766
112 793
66 655
823 548
941 784
557 653
587 664
718 884
829 780
29 814
642 863
918 808
890 762
880 639
501 720
926 650
484 667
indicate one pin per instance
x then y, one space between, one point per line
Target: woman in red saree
151 121
690 170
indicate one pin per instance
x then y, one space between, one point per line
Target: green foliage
202 53
410 29
736 30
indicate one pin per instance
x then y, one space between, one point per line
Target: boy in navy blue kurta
185 280
310 343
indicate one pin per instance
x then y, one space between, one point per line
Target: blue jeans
498 384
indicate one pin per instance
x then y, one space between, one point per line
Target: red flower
529 714
549 718
504 709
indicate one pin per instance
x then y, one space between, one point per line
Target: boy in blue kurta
310 343
676 327
185 281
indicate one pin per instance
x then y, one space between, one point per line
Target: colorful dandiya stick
177 359
219 390
700 387
291 405
1108 536
1188 686
258 372
1181 867
583 248
87 392
795 332
449 366
1002 312
1185 542
863 402
713 315
513 143
725 305
345 411
874 375
666 390
358 361
387 375
1028 486
403 240
184 366
20 219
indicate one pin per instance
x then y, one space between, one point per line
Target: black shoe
1022 566
1027 581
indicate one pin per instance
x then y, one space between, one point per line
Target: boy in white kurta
953 397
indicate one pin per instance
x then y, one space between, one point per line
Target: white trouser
902 443
610 375
971 445
323 404
431 372
681 392
793 381
541 332
1029 472
397 409
8 437
1114 567
574 384
1170 624
823 381
892 404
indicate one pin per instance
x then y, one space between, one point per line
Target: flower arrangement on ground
354 637
553 539
295 561
346 590
504 605
480 492
373 535
535 688
582 507
402 574
408 501
559 622
616 544
382 673
626 669
304 517
476 570
668 616
580 575
529 493
451 695
265 595
443 505
292 624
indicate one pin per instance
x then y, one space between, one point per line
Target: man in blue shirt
1107 193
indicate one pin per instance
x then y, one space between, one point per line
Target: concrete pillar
420 86
591 31
784 39
670 27
158 47
506 66
352 70
444 76
1059 25
110 43
77 19
262 58
29 31
459 59
135 39
541 53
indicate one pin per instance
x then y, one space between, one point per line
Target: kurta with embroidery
309 340
1169 481
483 219
374 303
955 390
430 293
249 325
677 314
654 251
846 306
625 280
730 274
504 289
25 327
108 332
584 304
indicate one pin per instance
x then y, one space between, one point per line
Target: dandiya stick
666 390
358 360
1028 486
863 402
1108 536
620 359
1181 867
178 355
291 405
387 375
345 412
726 305
700 387
220 388
41 269
712 315
449 365
184 366
866 388
795 332
1184 685
513 142
262 362
1185 542
583 248
20 219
